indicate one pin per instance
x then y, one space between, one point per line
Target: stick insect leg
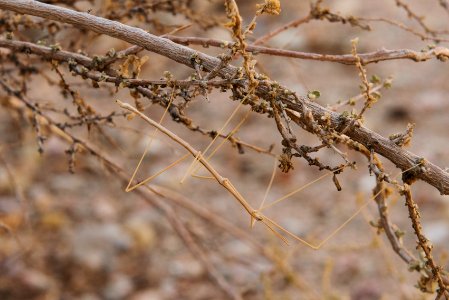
296 191
147 148
192 165
233 131
338 229
273 173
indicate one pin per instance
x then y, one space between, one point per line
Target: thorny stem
423 242
369 98
380 191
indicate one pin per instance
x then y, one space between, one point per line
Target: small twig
369 98
354 100
402 26
444 4
419 19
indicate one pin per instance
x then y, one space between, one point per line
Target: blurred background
81 236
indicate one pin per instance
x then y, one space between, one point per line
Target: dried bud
271 7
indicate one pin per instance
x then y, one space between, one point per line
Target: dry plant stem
380 198
380 193
423 242
178 226
348 59
400 157
133 35
369 99
411 14
444 4
355 99
406 28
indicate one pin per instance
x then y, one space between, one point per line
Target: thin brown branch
440 53
424 37
412 15
354 100
392 234
381 193
444 4
317 12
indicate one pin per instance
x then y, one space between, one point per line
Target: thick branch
403 159
133 35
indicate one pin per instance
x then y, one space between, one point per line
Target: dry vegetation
205 149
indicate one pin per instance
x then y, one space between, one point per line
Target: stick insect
255 214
